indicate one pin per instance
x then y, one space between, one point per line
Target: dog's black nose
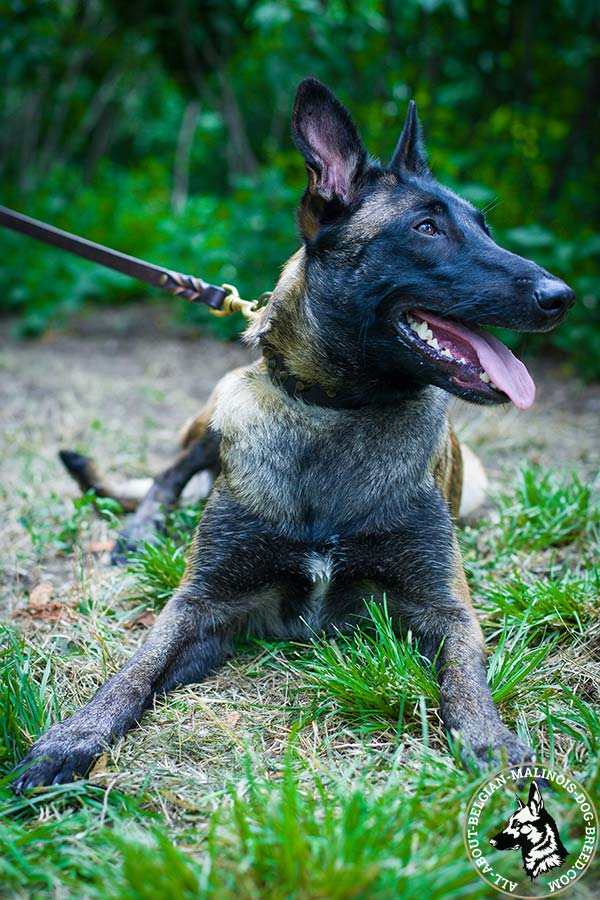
553 297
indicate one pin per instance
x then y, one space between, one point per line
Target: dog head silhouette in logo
533 831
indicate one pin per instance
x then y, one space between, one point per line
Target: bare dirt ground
119 385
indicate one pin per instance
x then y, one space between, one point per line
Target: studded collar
312 394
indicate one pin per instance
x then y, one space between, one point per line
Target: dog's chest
316 609
316 472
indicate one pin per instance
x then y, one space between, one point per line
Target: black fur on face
389 248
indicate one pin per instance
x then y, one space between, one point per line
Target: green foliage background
163 130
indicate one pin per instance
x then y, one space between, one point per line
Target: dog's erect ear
520 803
409 156
329 141
535 801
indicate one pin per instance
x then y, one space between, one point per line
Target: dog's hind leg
474 483
149 518
151 499
460 477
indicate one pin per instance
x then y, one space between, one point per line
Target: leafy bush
242 238
110 130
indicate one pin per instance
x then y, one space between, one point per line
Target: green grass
158 567
304 833
59 840
562 603
536 561
546 511
311 834
46 838
374 678
371 676
27 706
54 531
308 773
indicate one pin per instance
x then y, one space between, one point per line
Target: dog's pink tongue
506 371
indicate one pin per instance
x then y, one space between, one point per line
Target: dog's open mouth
473 359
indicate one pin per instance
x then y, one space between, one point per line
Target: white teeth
426 334
423 331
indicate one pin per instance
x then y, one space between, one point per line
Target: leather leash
223 300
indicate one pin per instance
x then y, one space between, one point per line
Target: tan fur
194 429
378 211
475 483
448 471
286 326
266 436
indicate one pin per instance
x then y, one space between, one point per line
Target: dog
339 476
533 831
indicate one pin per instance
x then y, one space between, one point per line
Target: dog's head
526 828
399 273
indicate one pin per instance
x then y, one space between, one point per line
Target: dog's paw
56 758
492 752
507 750
131 539
123 549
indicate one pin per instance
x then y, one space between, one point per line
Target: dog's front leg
450 633
183 646
420 568
229 566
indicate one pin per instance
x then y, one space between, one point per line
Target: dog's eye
427 227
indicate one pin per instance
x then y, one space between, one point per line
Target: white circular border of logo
525 773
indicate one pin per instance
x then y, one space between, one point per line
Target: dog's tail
85 472
130 492
199 454
474 483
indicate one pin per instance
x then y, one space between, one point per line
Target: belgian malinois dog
339 474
